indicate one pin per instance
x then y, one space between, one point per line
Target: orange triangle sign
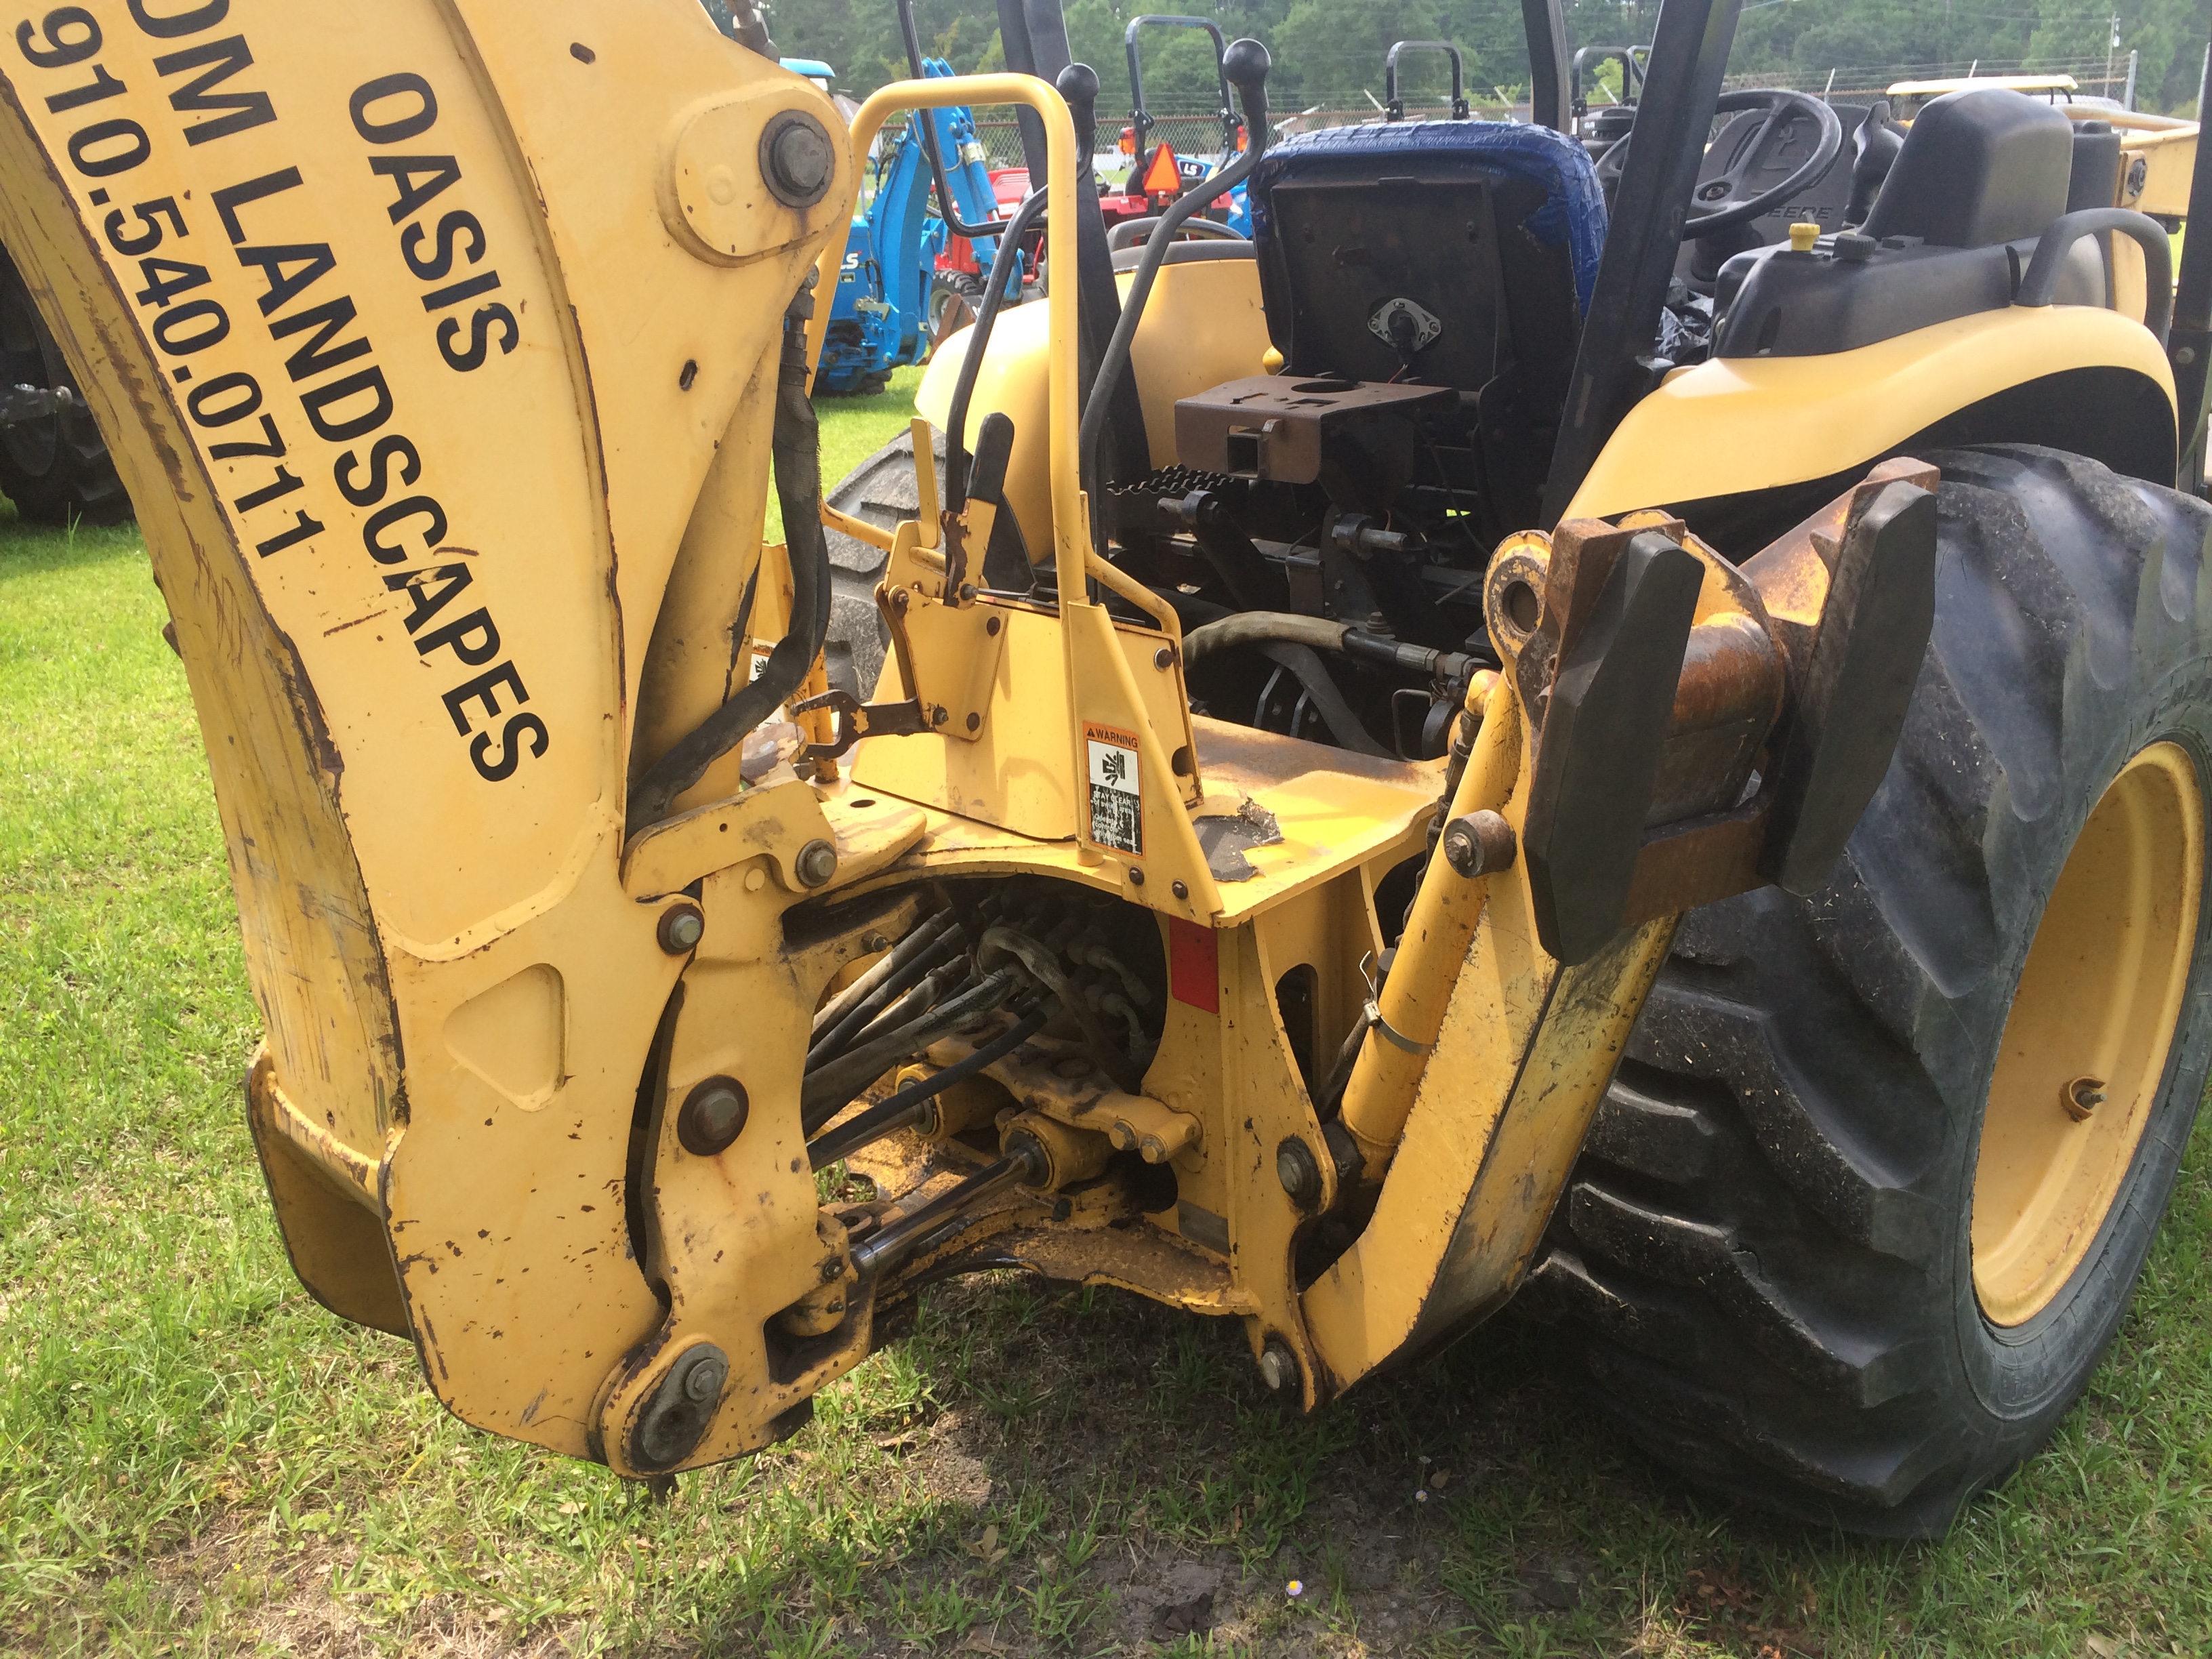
1163 177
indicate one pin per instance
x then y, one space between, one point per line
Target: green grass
194 1458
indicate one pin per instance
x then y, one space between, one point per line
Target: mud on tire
1761 1265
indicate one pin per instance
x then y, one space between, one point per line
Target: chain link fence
1198 135
2094 78
1197 132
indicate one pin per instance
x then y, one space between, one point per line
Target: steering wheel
1707 212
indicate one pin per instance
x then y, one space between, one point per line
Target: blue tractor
890 300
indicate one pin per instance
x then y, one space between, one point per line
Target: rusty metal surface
1282 429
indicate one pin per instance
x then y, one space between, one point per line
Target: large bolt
704 1375
797 159
713 1116
1299 1171
681 928
675 1420
1278 1366
816 864
1478 844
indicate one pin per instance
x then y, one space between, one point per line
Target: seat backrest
1980 166
1491 231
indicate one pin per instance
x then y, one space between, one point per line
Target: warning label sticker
1117 792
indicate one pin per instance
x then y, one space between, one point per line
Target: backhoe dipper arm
437 344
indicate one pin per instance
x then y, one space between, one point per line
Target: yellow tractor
1462 748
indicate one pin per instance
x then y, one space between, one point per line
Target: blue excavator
890 299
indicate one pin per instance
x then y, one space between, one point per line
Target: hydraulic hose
796 447
829 1089
918 938
1287 628
1005 271
1263 628
882 1249
917 1002
897 1110
1004 941
1245 63
914 956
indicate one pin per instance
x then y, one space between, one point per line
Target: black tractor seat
1983 174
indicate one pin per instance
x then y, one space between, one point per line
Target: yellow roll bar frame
1070 525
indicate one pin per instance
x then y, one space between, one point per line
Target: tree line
1328 53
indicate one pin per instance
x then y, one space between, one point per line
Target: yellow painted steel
425 828
1739 424
2084 1051
1478 1125
1069 533
1717 428
1424 981
444 384
1203 325
2168 153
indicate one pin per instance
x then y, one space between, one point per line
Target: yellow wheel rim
2085 1046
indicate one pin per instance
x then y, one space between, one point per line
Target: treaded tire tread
881 491
58 470
1761 1265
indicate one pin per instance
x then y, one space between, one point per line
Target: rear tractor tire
1868 1197
56 468
955 297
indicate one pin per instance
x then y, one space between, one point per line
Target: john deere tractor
1452 754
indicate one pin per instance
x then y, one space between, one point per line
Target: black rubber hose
896 1111
1005 272
829 1089
1245 63
908 968
1288 627
918 939
935 985
797 449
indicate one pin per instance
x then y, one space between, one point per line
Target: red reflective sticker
1194 964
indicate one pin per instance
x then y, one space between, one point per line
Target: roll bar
1140 118
1394 108
1633 73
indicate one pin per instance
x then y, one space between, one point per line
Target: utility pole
2112 45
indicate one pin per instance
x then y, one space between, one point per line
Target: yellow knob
1271 362
1802 238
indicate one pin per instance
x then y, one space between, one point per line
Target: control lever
1078 84
1006 552
1246 63
857 719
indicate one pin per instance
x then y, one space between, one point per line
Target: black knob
1078 84
1246 63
